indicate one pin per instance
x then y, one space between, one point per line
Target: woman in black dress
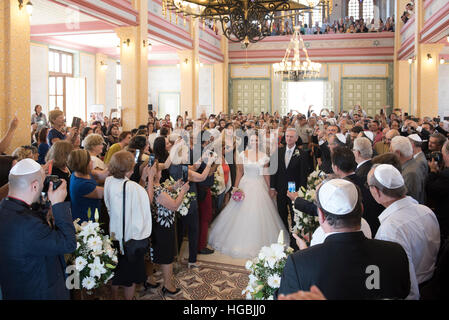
165 203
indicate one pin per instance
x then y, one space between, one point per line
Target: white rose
184 211
305 220
270 298
249 296
248 264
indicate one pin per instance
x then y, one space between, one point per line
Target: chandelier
291 69
246 21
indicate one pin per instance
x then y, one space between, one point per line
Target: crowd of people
408 12
392 170
343 25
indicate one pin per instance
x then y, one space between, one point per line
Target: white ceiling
47 12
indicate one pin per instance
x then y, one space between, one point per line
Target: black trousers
284 205
191 223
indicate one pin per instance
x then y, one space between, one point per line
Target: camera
185 173
51 178
435 155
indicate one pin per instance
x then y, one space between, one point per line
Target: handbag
132 248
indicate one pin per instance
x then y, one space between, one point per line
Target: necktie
287 160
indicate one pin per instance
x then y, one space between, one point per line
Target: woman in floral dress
163 238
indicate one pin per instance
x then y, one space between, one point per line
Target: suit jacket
363 170
340 268
32 265
371 209
297 170
415 180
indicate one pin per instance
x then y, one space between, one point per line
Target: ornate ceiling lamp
291 68
246 21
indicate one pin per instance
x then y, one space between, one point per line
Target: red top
226 171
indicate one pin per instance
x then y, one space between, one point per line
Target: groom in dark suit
293 166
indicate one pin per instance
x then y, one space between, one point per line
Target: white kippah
332 121
341 137
416 138
369 135
25 166
389 176
338 196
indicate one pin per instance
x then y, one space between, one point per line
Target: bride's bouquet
238 195
305 224
94 257
266 270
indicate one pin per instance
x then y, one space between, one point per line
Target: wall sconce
429 58
103 65
127 42
410 61
147 43
186 61
29 6
118 49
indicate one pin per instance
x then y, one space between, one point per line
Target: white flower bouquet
266 271
305 224
183 209
94 257
218 180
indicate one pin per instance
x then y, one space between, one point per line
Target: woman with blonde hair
137 216
24 152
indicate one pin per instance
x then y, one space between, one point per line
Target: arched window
353 9
368 10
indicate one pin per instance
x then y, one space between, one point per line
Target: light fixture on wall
147 43
429 58
29 6
410 60
127 42
103 65
186 61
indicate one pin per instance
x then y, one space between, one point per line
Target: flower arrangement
218 180
304 224
94 257
183 209
185 205
266 270
238 195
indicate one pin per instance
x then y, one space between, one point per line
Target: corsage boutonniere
296 153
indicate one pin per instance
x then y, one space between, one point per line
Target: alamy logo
73 278
373 280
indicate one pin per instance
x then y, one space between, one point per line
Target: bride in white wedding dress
243 228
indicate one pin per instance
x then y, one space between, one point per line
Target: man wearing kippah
32 265
406 222
346 265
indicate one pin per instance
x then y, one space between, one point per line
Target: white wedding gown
243 228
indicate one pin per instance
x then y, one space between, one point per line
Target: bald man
31 249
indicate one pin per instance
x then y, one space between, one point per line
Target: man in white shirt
414 226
